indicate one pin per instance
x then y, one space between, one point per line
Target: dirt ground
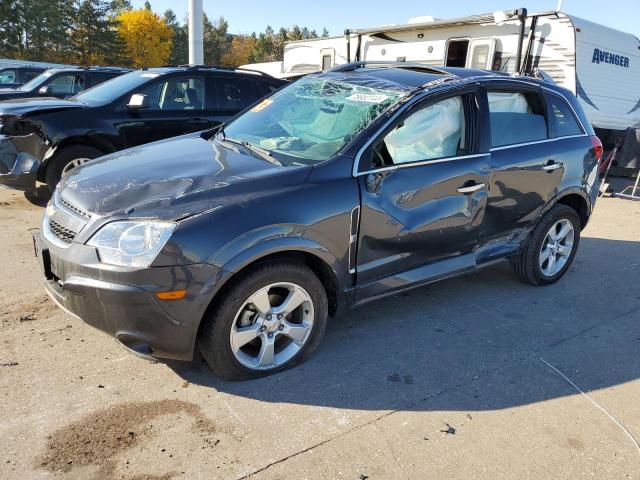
476 377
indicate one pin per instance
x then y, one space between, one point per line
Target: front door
177 105
423 200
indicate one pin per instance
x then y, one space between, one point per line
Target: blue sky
245 16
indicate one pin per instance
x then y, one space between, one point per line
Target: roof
403 75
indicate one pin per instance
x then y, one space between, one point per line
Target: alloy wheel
271 326
73 164
556 248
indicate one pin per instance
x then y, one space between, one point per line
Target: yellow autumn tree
240 51
147 38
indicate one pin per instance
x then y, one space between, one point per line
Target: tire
57 165
531 265
235 314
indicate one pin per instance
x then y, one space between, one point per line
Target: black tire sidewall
559 212
214 341
53 171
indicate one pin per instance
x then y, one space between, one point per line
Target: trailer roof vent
424 19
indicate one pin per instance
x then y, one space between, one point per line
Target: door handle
551 166
471 188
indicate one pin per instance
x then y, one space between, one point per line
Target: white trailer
599 64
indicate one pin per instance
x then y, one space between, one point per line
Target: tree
180 36
216 40
325 33
146 36
10 30
119 6
93 35
240 51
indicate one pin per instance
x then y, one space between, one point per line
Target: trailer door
480 53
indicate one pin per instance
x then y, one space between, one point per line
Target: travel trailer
599 64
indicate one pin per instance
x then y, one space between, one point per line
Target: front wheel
270 318
68 159
551 248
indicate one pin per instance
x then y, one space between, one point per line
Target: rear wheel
551 248
68 159
271 317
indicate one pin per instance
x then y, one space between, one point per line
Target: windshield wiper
261 152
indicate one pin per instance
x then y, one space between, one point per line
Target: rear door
423 186
65 85
235 93
526 162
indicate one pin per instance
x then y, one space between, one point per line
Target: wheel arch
577 199
321 264
83 141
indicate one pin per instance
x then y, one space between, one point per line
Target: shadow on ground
472 343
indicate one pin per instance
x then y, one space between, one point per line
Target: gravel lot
457 380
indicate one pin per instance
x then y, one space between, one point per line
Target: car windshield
113 89
35 82
315 117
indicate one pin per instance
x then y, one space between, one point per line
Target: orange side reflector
172 295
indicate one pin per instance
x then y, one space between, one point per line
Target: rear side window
436 131
28 75
98 78
516 117
563 121
235 94
67 84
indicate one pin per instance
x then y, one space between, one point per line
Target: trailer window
326 62
563 121
480 57
516 117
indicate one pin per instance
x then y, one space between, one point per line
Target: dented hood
24 106
174 179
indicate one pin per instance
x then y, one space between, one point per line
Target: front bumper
18 167
123 303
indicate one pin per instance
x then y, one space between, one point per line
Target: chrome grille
65 234
73 208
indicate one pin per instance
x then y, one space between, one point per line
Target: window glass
98 78
516 118
480 56
436 131
326 62
67 84
236 93
8 76
564 121
29 75
176 93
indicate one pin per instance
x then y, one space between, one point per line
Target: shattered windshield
313 118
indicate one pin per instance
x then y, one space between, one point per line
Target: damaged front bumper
18 167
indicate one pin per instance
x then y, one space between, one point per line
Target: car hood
174 179
26 106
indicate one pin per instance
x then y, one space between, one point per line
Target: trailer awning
470 19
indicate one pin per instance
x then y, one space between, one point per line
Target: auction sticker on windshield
262 105
367 98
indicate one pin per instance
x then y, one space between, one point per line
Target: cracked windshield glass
313 118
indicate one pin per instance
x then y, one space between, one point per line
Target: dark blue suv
339 189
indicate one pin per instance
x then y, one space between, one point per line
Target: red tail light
597 147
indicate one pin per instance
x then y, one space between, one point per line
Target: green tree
10 30
180 49
93 35
217 40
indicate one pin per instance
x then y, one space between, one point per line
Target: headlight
130 243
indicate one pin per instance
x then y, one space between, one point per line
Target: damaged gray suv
336 190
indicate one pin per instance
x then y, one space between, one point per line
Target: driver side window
433 132
176 93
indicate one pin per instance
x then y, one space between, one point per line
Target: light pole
196 50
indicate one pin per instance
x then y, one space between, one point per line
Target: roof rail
349 67
219 67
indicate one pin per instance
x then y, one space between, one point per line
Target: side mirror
138 102
46 90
